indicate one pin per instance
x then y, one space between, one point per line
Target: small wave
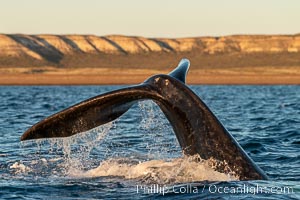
296 142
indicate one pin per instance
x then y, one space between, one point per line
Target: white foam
178 170
20 168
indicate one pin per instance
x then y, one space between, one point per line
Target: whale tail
197 129
99 110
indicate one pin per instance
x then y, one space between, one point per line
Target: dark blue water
265 120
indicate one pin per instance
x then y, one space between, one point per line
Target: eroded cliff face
61 49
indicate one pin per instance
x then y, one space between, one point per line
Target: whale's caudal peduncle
197 129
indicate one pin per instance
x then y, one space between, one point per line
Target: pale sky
150 18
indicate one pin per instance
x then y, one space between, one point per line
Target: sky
150 18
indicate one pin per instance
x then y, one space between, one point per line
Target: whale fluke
197 129
181 70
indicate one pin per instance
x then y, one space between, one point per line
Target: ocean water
138 157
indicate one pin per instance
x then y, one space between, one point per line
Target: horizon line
128 35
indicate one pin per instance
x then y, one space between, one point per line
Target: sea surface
138 157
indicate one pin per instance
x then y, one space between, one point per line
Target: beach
119 76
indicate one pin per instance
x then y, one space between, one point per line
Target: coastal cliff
18 50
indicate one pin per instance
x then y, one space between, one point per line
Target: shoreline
128 79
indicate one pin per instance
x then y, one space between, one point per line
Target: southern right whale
196 127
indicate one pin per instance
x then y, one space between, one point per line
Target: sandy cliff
17 50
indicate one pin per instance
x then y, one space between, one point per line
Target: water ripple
264 120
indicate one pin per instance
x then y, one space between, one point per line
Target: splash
61 155
155 130
77 149
159 158
178 170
